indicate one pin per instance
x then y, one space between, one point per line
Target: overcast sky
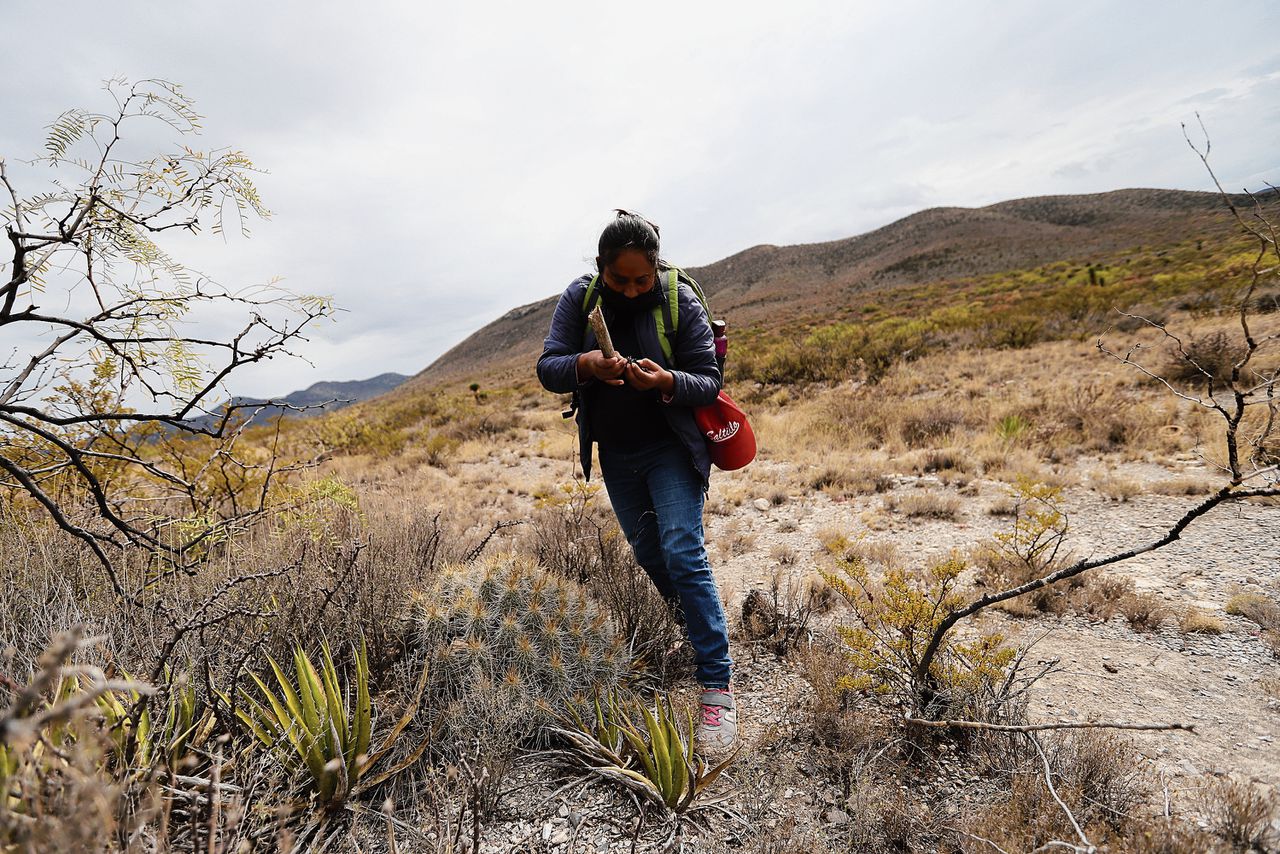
433 165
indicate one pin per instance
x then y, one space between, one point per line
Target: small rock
560 837
762 504
563 812
575 819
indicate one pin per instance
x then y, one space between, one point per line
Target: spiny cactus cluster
509 644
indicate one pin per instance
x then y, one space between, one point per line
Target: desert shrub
1261 610
1145 612
783 554
1094 773
1031 550
779 616
896 617
1138 318
437 449
507 645
1119 489
922 428
997 570
1001 507
834 721
1096 416
927 505
945 460
569 530
1183 486
573 536
1100 597
849 481
880 553
1208 357
735 541
1011 330
1267 303
1256 607
646 623
1242 815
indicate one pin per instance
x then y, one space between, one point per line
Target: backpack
667 314
731 443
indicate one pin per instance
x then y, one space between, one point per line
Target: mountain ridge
315 399
785 283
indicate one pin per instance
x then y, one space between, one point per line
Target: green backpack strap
667 316
591 295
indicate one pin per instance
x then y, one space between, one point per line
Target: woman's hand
594 365
645 374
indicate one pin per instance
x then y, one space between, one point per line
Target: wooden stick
596 319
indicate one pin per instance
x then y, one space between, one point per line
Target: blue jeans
657 496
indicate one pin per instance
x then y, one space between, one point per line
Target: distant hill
781 283
323 396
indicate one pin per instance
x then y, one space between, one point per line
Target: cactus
508 646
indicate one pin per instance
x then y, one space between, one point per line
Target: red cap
730 440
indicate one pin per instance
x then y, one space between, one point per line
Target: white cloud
434 165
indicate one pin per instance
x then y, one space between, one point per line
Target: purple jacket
696 373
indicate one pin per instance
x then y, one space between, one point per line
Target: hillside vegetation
442 644
1042 242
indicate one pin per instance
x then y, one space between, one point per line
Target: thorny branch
1260 481
111 474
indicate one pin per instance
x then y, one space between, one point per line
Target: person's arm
563 365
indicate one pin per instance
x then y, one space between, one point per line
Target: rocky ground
1223 684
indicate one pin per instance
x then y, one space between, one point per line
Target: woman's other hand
594 365
645 374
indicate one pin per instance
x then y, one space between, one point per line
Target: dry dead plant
779 616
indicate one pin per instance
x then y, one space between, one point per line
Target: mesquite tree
1232 376
112 376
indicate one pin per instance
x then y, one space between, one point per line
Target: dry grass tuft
1261 610
924 505
1197 621
1119 489
1145 612
1183 486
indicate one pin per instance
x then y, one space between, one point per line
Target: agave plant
169 740
322 726
645 750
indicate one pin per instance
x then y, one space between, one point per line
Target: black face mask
622 305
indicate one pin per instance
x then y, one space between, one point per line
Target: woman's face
631 274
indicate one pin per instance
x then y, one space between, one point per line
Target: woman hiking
639 410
